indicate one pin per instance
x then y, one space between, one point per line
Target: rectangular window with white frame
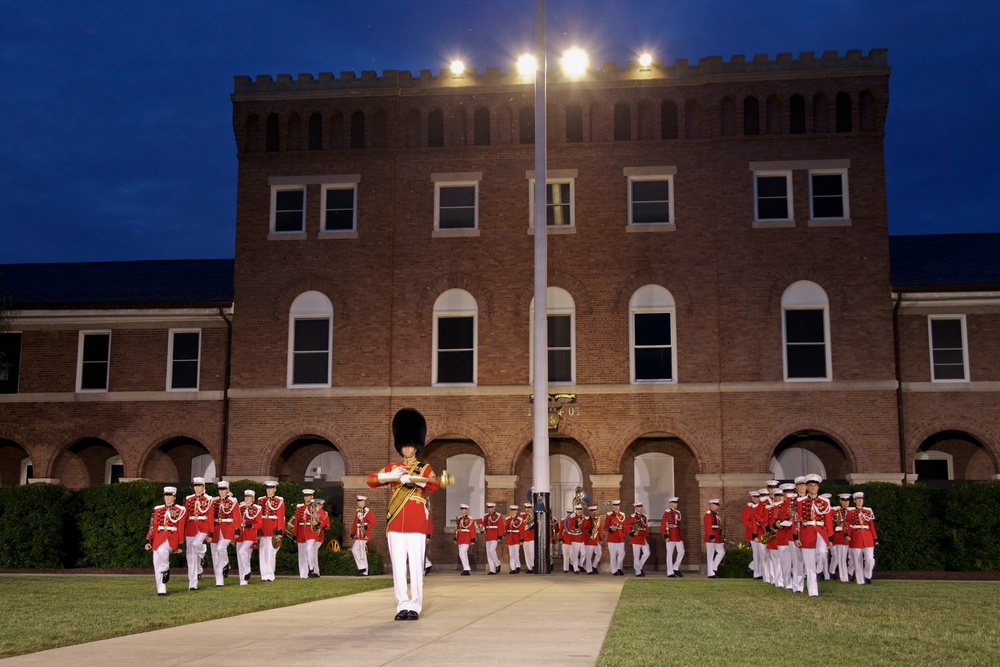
650 200
185 360
288 209
312 342
559 208
949 348
340 207
772 193
828 195
456 203
652 347
94 361
807 355
560 334
455 345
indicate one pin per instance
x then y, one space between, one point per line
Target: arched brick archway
11 456
170 460
84 463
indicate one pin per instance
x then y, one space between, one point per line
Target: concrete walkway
556 620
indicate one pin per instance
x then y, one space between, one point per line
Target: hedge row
920 528
49 526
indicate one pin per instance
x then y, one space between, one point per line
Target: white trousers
314 546
514 556
822 559
576 555
407 552
268 557
492 560
463 555
714 553
161 563
220 558
306 558
595 555
243 553
773 573
675 553
194 552
567 554
616 551
809 562
360 555
864 564
838 562
529 554
640 552
759 558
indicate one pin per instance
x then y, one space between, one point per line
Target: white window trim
291 351
572 349
553 229
108 463
299 233
475 348
673 343
170 360
17 362
775 222
79 363
935 455
25 462
334 233
965 348
460 231
826 344
663 225
842 221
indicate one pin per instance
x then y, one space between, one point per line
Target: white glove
404 479
392 475
785 524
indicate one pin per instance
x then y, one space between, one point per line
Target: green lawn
730 622
43 612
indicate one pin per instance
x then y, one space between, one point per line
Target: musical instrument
639 525
445 480
314 517
595 530
359 534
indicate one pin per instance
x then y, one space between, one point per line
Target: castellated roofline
712 68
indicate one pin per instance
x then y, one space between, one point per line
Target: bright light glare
527 65
575 61
457 67
645 60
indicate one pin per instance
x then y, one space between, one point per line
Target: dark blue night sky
116 135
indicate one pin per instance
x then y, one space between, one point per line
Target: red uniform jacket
407 505
588 530
527 534
199 514
465 530
512 528
614 523
302 523
786 513
324 524
272 516
861 528
574 527
564 535
713 527
227 518
840 531
773 509
670 525
252 522
637 527
364 521
762 517
556 530
167 525
747 518
815 521
493 526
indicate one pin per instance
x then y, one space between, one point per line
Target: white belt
813 523
172 529
225 520
199 518
860 527
270 516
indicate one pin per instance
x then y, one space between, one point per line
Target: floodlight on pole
645 60
527 65
574 62
457 67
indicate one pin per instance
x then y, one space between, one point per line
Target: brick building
725 303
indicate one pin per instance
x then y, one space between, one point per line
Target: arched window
564 476
652 330
316 132
796 462
805 330
310 340
271 141
526 125
27 471
623 122
561 336
469 486
654 482
866 111
114 470
751 116
328 466
358 129
844 119
821 114
797 115
668 120
773 115
455 322
435 129
481 120
727 117
574 122
203 465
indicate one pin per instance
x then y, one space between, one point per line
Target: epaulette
158 507
190 496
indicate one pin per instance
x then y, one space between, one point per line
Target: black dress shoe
246 577
671 576
192 589
166 576
498 569
490 573
412 616
679 574
711 576
466 573
513 571
402 616
427 571
225 570
161 594
641 574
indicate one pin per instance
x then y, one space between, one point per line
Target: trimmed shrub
974 516
113 520
34 522
736 564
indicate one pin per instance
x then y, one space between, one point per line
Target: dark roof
945 260
161 282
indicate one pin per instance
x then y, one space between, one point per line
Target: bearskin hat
409 428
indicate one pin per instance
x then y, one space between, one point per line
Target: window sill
553 231
808 379
338 234
840 222
652 227
286 236
454 233
773 224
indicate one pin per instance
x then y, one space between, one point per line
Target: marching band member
592 541
824 547
492 528
407 522
670 526
361 532
798 565
813 527
305 536
228 519
200 523
528 537
767 521
748 519
637 527
166 529
786 518
322 522
512 530
838 560
465 536
272 524
567 543
862 538
614 521
575 524
715 549
247 540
